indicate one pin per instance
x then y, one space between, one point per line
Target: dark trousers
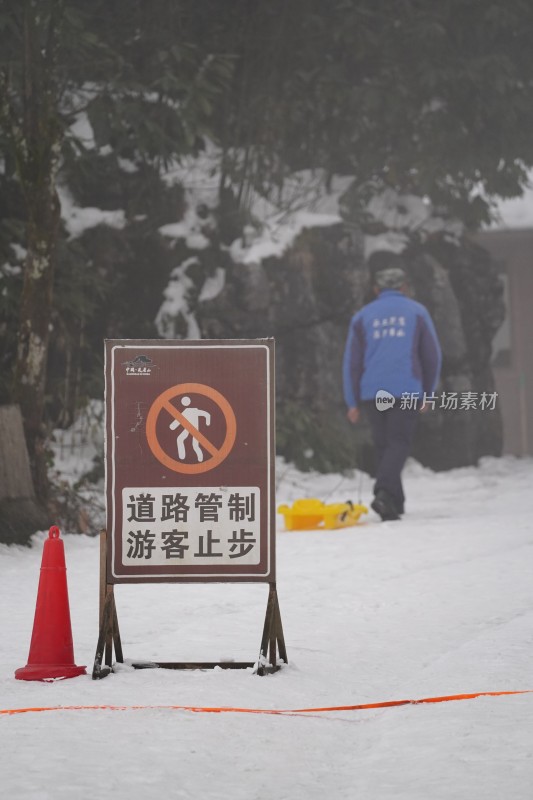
392 432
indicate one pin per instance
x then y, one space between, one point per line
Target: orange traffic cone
51 651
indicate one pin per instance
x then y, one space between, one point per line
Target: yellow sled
311 513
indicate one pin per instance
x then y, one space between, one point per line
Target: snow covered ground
437 604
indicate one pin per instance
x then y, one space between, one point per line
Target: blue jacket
391 345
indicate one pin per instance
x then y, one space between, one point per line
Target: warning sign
190 460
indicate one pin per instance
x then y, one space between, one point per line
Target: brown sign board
190 460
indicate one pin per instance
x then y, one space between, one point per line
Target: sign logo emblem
140 365
175 409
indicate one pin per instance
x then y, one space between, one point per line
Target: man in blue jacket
392 351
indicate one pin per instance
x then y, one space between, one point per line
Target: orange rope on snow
393 703
278 712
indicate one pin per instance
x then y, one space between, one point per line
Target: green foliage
430 98
150 90
312 441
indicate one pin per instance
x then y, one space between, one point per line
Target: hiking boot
384 505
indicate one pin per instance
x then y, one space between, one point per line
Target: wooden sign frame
272 649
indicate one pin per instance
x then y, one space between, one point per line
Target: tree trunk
36 134
20 515
34 332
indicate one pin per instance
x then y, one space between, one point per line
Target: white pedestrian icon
193 416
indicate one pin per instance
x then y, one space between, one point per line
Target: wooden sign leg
116 635
109 634
272 636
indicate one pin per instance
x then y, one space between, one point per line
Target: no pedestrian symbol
178 412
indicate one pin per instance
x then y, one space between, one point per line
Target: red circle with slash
163 402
